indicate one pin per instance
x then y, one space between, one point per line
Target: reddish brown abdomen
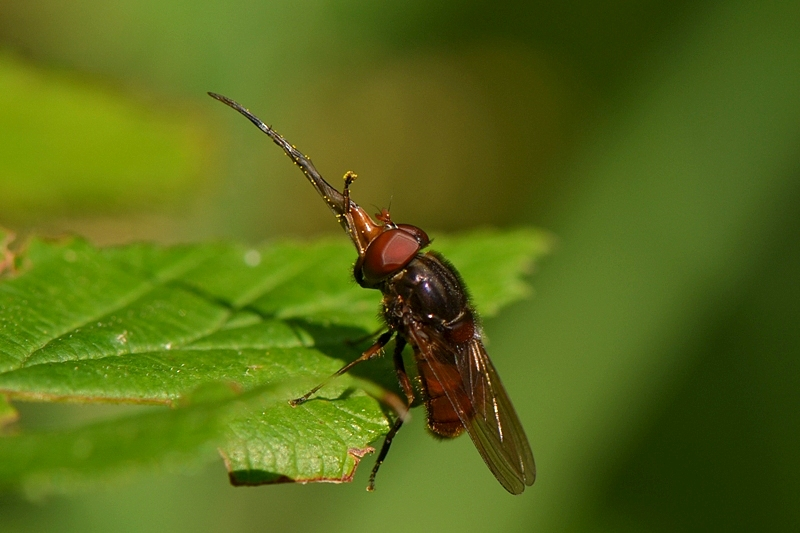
442 417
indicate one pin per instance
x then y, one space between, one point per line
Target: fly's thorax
431 290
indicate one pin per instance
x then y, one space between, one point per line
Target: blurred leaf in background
70 146
655 371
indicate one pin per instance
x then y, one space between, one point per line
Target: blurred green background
656 370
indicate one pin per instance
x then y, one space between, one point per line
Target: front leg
370 353
405 383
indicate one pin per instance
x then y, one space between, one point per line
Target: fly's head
387 247
384 248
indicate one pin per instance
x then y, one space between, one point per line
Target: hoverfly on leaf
425 305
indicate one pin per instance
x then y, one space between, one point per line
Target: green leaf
305 444
492 264
60 460
148 324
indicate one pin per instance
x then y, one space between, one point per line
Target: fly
425 305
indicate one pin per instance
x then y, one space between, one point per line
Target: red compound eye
389 252
419 234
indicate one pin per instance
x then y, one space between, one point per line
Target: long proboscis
332 197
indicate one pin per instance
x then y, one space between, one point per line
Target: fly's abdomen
442 417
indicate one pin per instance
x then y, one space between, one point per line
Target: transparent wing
482 405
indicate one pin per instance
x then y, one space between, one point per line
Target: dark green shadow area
721 453
244 478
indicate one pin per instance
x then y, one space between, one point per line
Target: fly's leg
400 370
349 178
350 227
405 383
370 353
